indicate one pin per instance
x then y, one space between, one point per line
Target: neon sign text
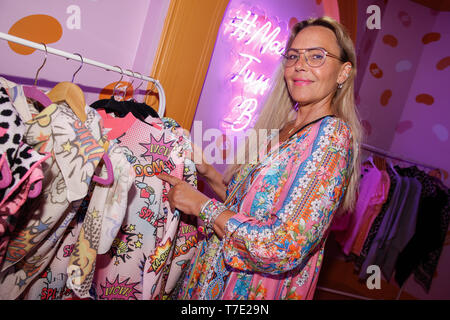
256 40
257 84
267 41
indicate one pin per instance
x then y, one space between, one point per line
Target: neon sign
248 26
254 83
257 43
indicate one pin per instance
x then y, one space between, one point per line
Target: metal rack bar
396 157
41 47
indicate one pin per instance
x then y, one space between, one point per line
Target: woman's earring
296 107
340 86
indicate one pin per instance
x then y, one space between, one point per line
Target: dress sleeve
301 214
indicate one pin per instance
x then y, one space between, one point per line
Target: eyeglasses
315 57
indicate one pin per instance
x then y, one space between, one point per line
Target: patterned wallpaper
403 95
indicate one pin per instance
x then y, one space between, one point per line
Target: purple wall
113 32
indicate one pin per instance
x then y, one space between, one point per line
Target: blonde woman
267 233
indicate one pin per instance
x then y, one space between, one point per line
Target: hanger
140 110
74 96
6 173
111 105
149 91
133 106
148 109
118 82
391 166
437 173
130 85
102 102
142 82
370 160
6 177
33 92
109 170
37 188
144 109
71 94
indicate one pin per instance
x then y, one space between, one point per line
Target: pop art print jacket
153 246
273 246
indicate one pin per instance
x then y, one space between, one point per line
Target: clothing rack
41 47
395 157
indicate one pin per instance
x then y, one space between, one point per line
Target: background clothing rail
395 157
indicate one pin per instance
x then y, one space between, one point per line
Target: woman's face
311 85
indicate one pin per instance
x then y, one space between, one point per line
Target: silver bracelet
202 214
210 211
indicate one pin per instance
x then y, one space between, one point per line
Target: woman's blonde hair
278 107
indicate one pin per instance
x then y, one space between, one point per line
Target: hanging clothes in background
76 150
78 238
421 254
378 200
381 243
366 198
401 231
399 223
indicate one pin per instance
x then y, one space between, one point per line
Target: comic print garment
273 246
146 252
76 150
91 230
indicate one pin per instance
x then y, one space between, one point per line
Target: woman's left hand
183 196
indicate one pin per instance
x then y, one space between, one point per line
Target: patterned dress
273 245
